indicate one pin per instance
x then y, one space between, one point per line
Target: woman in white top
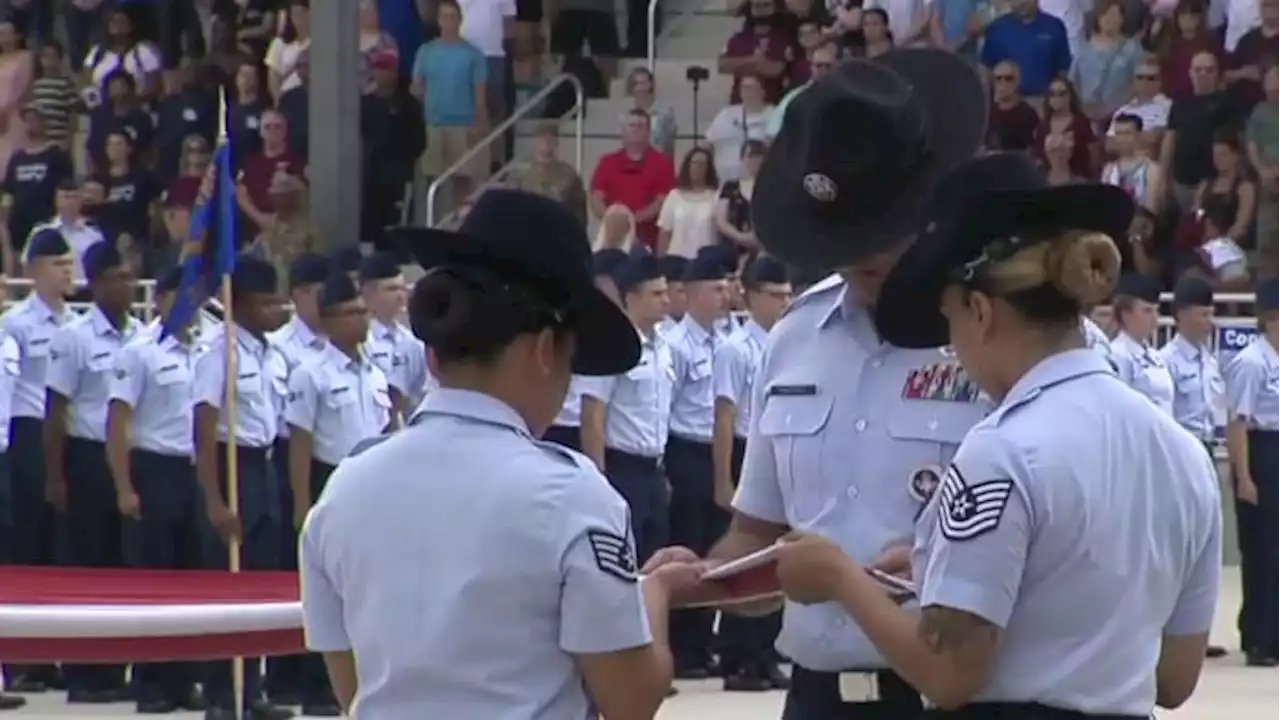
372 39
617 230
121 49
686 223
282 56
736 124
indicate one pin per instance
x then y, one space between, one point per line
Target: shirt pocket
339 397
100 359
793 427
925 436
249 385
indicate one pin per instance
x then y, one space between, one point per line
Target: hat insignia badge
820 187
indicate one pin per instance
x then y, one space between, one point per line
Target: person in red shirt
761 48
638 177
1013 122
253 187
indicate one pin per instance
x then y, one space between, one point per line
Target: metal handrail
533 102
652 29
144 308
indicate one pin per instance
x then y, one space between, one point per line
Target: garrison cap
309 269
1141 287
101 257
1192 292
379 266
337 289
48 242
638 269
253 275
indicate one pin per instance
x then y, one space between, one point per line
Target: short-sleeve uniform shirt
82 357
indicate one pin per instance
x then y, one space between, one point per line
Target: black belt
1019 711
247 452
613 457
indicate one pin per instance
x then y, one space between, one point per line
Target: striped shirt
56 98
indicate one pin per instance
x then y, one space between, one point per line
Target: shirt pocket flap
794 415
934 421
339 396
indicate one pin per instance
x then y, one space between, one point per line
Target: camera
697 74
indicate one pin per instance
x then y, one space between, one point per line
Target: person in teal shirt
449 73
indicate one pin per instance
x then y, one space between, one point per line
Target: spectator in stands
546 174
169 239
809 35
821 59
193 164
121 50
1064 115
16 69
294 104
1231 184
1234 19
451 76
253 192
1186 154
123 110
1013 122
1257 50
1104 64
662 119
1178 42
1263 136
877 36
637 175
286 48
1035 40
1219 257
188 108
733 209
762 48
395 136
617 230
31 182
69 220
1056 152
374 42
1148 104
1132 170
485 24
120 194
733 125
591 23
53 91
244 117
243 27
957 25
686 222
290 233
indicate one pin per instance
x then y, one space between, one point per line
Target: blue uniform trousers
639 480
33 532
6 511
171 533
1257 527
816 696
1017 711
94 539
746 643
696 522
284 672
259 512
570 437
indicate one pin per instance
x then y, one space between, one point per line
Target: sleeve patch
613 554
971 511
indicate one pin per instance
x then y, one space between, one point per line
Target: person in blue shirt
1253 422
1035 40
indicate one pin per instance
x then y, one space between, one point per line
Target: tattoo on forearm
961 634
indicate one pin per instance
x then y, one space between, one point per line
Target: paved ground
1228 690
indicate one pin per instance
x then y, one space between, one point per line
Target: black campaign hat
985 210
534 240
860 151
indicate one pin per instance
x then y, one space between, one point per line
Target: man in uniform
544 615
673 268
625 417
835 442
256 522
391 346
150 412
10 371
348 259
81 359
297 343
32 323
747 659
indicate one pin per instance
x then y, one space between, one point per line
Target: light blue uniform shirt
298 345
1143 369
1095 339
32 323
692 394
257 385
156 380
548 571
1252 380
1199 400
1086 524
844 430
402 358
339 401
734 370
638 402
571 412
82 358
10 372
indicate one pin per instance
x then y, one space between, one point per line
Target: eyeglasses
1147 78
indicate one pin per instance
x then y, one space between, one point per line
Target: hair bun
439 306
1084 267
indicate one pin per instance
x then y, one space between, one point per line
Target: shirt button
933 424
877 362
860 425
851 492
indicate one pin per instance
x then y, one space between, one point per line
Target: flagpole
229 409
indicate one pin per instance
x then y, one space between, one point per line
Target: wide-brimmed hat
860 151
538 242
985 210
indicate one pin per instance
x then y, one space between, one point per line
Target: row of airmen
670 434
116 440
1185 379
